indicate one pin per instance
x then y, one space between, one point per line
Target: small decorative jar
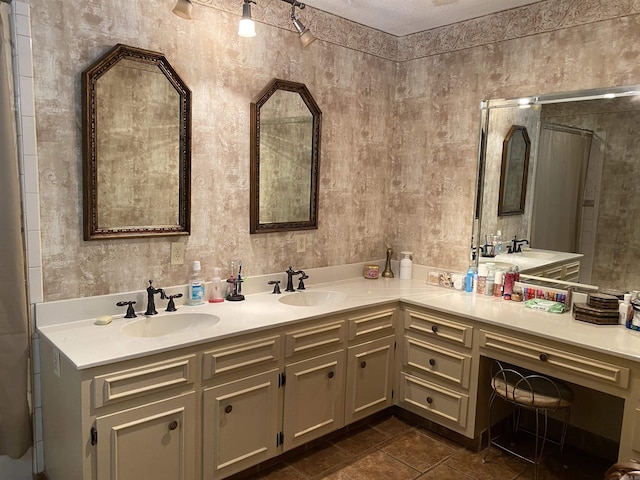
371 271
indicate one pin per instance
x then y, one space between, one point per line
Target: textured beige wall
399 140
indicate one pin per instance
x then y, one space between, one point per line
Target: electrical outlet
56 363
177 253
300 244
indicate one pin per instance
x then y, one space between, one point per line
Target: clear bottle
196 285
405 266
497 241
217 295
509 280
491 276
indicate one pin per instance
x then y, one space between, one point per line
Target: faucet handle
130 311
303 276
276 286
171 306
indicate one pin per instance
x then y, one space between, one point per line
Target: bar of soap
104 320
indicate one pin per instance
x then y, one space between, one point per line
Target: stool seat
529 391
533 391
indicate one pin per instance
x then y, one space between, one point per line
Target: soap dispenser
405 265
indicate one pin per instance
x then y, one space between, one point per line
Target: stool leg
486 452
565 425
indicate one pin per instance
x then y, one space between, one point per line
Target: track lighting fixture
247 27
306 37
183 9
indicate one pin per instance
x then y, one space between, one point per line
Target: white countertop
87 345
532 258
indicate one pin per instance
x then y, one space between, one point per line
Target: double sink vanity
209 391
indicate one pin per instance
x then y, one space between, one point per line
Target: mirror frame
525 102
255 225
90 76
507 159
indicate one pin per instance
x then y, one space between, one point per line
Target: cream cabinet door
313 398
240 424
153 441
369 378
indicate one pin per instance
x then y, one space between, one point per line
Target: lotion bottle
217 295
196 285
405 266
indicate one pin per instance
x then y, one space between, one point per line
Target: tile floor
394 449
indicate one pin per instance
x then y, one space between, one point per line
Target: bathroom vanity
270 376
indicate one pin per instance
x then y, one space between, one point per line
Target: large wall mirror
285 158
582 195
136 146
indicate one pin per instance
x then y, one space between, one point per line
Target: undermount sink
158 326
312 298
536 254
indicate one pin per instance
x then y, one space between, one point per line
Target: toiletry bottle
483 271
491 276
196 285
516 274
405 266
217 295
468 283
497 285
508 283
498 242
626 311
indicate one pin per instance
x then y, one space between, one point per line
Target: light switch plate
300 244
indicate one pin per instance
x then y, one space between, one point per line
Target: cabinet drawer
554 273
572 271
437 362
124 384
265 351
329 335
434 399
569 363
372 325
438 326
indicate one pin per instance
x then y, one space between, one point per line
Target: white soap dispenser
405 265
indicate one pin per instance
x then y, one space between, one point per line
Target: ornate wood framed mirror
285 158
136 146
513 174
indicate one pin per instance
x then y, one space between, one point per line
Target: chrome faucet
151 292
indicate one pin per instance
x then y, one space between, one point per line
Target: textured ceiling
403 17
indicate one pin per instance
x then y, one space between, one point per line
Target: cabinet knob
429 400
173 425
363 364
228 409
544 357
434 328
432 362
331 374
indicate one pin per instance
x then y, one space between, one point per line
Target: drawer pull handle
173 425
429 400
331 374
363 364
432 362
228 409
544 357
434 329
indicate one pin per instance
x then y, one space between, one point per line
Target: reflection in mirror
513 174
285 153
136 146
581 195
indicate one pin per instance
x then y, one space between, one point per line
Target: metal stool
531 391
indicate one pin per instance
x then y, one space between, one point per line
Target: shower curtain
559 188
15 431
